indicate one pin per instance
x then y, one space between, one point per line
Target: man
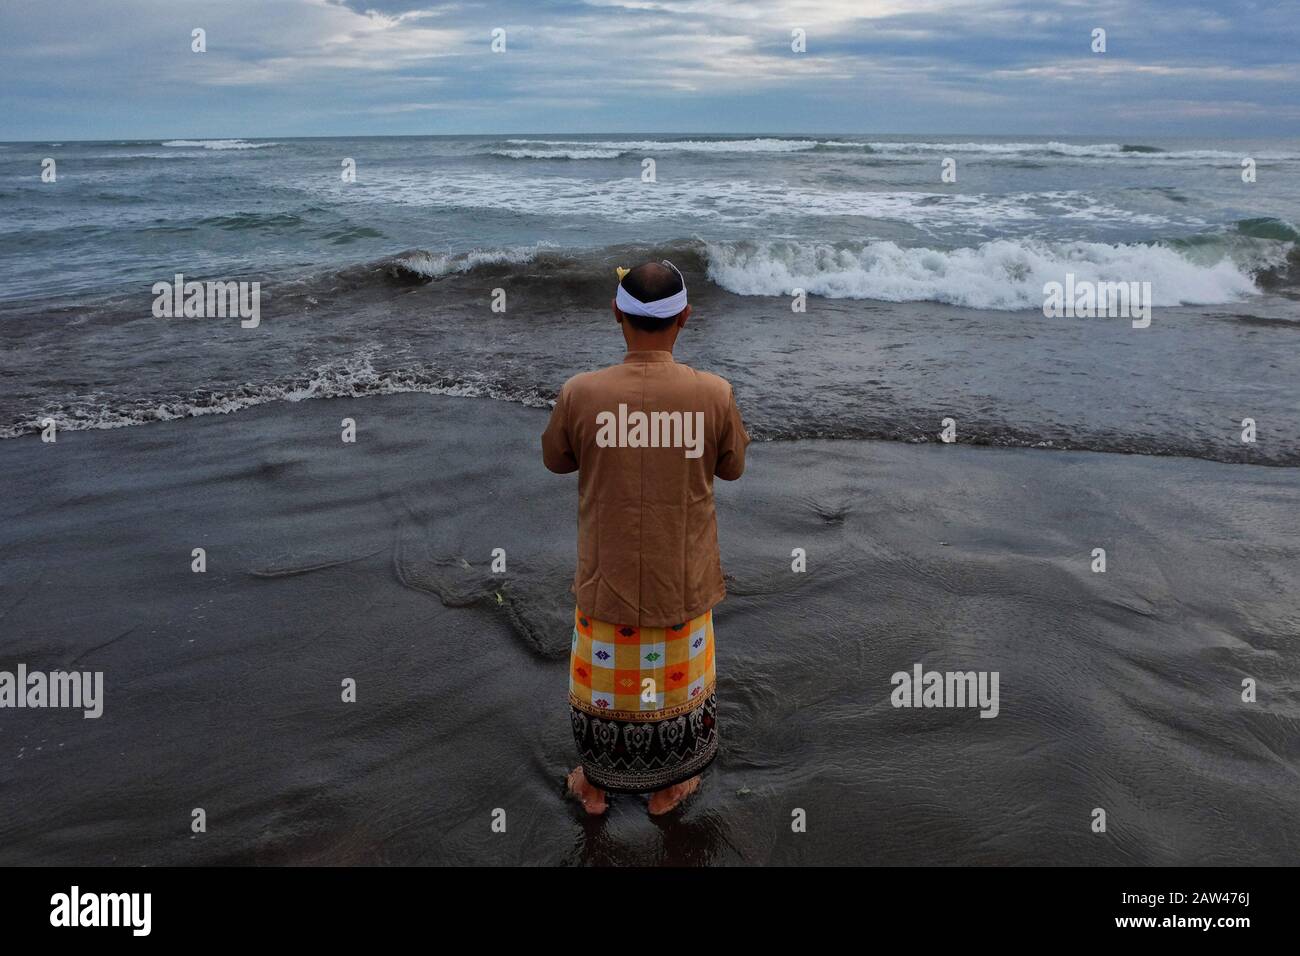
647 437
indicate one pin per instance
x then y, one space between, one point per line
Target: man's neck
651 343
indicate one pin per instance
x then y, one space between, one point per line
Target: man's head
646 287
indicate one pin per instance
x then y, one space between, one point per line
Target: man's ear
618 316
683 316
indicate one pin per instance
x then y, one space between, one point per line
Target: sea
844 284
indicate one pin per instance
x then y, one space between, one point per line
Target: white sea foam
558 153
1136 153
352 377
149 156
1002 274
744 202
1087 153
217 144
435 265
760 145
1105 150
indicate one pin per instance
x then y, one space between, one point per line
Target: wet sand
370 561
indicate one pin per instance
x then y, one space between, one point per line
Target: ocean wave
1006 274
1003 274
435 265
1133 152
1117 151
217 144
756 145
352 377
558 153
1268 227
759 205
148 156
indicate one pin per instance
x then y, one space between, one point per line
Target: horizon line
211 137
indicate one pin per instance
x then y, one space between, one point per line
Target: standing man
647 437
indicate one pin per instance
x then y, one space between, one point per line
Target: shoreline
985 439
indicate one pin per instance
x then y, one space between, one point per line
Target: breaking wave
1255 255
435 265
217 144
1004 274
558 153
611 149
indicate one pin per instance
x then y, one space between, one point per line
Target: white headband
629 304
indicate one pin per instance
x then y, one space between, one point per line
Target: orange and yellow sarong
643 702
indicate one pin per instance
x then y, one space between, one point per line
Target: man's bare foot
592 798
661 801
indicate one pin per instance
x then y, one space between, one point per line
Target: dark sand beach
371 560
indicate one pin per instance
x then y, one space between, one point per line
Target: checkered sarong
643 702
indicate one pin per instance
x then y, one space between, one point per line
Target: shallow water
1118 690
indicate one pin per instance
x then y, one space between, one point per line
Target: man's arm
731 443
557 449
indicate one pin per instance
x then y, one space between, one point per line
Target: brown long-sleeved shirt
647 438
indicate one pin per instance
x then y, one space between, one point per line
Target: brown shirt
647 529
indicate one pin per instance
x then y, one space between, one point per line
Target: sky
124 69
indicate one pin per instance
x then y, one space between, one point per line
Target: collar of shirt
648 355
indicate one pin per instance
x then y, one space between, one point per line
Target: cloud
1088 71
82 68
